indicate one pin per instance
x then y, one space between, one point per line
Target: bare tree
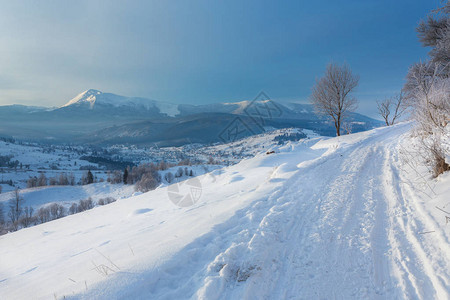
28 217
42 180
395 104
57 211
331 95
347 127
63 179
71 179
15 209
43 214
32 182
2 215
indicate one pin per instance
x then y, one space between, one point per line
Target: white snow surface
337 218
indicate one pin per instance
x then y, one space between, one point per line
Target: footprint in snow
236 178
141 211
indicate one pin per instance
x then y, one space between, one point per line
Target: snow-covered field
336 218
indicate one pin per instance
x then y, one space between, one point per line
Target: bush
73 209
57 211
28 219
52 181
105 201
115 177
42 180
85 204
179 172
63 179
32 182
43 214
148 182
169 177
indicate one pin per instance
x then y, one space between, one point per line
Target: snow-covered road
340 219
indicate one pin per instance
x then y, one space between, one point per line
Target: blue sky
203 51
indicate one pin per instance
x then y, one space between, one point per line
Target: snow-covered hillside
337 218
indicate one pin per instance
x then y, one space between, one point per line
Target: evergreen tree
125 176
90 177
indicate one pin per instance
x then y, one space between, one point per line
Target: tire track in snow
413 253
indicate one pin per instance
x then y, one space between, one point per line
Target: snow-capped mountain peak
88 96
93 98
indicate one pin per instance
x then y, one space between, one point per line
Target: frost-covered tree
15 209
427 94
434 32
179 172
115 177
73 209
148 182
332 94
85 204
169 177
427 88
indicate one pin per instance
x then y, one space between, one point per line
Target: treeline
19 216
6 161
293 137
146 177
7 140
61 179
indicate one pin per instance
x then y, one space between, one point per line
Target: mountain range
98 118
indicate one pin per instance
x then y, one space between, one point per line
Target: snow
335 218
